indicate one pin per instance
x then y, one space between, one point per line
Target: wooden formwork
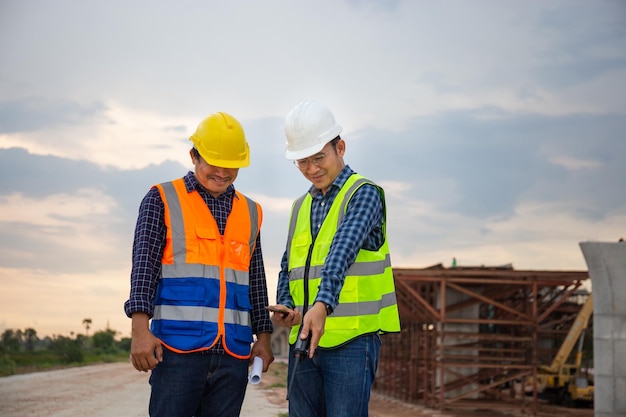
475 333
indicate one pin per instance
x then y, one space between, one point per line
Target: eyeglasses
316 160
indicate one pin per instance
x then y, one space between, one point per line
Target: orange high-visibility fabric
206 246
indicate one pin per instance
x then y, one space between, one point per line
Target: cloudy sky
496 127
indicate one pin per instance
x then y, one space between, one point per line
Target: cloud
574 164
61 232
35 113
110 136
497 131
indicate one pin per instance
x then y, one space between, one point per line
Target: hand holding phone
278 309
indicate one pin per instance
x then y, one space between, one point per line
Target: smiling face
323 167
214 179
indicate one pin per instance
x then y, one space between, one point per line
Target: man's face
214 179
323 167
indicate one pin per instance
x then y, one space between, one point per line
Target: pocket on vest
239 254
189 291
181 328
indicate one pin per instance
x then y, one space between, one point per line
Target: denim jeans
335 382
199 384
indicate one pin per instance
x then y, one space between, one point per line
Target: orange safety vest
203 291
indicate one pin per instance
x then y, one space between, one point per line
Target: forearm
261 322
140 324
148 245
283 295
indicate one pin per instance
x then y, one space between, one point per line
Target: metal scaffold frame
471 333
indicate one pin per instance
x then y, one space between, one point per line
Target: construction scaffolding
473 333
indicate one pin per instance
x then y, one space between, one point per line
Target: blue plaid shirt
361 229
149 244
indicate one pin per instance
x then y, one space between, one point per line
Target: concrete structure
469 313
607 268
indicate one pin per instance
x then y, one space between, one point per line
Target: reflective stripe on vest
367 302
203 292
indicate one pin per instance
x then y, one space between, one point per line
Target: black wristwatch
329 309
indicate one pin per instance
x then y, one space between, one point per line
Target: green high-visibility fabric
367 302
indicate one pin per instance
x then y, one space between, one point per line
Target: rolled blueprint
255 372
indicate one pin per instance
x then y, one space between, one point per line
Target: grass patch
279 370
276 376
27 362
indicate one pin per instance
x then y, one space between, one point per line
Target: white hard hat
309 127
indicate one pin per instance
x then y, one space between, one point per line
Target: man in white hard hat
198 276
335 287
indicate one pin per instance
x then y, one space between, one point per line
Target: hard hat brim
220 163
304 153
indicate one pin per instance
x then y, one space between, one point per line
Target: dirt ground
104 390
273 383
115 389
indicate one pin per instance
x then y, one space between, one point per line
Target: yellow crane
561 379
580 389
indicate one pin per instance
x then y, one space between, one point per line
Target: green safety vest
367 301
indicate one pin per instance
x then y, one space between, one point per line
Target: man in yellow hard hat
198 287
335 287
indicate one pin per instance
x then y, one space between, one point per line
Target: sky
497 129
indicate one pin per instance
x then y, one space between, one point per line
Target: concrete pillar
606 263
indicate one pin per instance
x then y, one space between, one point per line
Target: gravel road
118 390
106 390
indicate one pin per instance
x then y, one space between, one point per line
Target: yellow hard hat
221 142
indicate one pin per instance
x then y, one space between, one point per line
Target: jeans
199 384
335 382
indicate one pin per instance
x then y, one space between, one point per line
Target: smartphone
278 309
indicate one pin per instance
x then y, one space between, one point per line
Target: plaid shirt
361 229
149 243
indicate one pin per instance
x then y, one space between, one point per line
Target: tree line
22 350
